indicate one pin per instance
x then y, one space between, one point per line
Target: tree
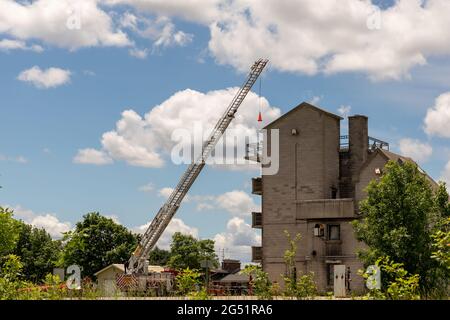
261 285
159 257
8 231
187 281
399 216
188 252
400 285
97 242
441 246
37 251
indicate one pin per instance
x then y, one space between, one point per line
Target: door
339 280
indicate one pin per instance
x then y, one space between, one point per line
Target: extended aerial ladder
137 262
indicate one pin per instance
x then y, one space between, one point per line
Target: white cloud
114 218
91 156
9 45
138 53
344 111
165 192
63 23
237 203
311 36
437 120
147 187
445 176
302 36
48 221
175 225
44 79
145 140
192 10
237 239
160 30
315 100
417 150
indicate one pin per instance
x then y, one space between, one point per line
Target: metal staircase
137 262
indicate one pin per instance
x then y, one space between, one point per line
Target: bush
187 281
261 285
399 284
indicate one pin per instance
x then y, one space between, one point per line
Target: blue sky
45 124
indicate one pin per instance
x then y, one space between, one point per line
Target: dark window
333 192
330 274
334 232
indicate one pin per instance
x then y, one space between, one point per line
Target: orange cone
259 117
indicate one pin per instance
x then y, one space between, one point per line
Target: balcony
257 220
333 248
325 209
256 254
257 186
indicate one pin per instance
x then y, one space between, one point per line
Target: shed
106 278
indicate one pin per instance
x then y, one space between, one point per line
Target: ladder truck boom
137 262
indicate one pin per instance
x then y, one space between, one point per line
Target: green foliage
441 245
8 231
398 218
159 257
188 252
306 287
261 285
9 277
302 287
37 251
290 278
399 283
441 199
187 281
97 242
201 294
54 289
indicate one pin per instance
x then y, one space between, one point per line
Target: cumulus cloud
138 53
437 119
145 140
45 79
417 150
311 36
301 36
48 221
147 187
63 23
175 225
9 45
237 239
237 202
161 30
344 111
192 10
92 156
445 176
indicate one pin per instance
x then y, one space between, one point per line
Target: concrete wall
367 174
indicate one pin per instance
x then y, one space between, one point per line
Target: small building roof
235 277
121 268
304 105
388 155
